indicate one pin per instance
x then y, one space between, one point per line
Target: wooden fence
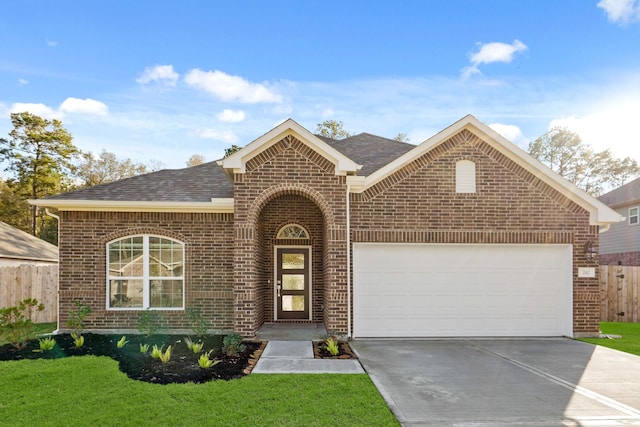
620 293
31 281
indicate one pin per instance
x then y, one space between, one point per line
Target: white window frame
146 279
465 176
634 218
283 228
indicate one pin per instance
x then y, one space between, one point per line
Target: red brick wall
623 258
419 204
208 264
291 170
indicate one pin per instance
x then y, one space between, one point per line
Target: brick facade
624 258
418 204
208 268
229 257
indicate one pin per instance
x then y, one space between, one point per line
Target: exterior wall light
590 251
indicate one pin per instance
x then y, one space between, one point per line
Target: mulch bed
320 351
182 368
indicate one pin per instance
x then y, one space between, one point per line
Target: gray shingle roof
195 184
208 181
16 244
628 193
371 151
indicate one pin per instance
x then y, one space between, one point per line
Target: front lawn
89 391
630 341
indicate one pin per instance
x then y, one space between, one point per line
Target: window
634 215
465 176
293 231
145 272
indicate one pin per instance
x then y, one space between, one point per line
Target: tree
402 137
195 160
229 151
332 129
155 165
40 154
14 210
106 167
565 153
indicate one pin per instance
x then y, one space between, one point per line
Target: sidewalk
296 357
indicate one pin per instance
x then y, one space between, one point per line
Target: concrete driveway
536 382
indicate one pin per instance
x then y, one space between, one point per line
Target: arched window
145 272
293 231
465 176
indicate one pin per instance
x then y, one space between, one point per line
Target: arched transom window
145 272
293 231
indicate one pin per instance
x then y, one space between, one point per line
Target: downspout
348 263
46 210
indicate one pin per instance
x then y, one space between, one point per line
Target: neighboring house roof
365 159
16 244
626 194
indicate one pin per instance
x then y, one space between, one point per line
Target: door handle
279 287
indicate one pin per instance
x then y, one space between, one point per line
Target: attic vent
465 176
293 231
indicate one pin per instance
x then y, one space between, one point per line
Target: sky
161 81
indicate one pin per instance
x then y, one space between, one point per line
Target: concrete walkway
296 357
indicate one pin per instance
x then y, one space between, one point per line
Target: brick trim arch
142 230
294 189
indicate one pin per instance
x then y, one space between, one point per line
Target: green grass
89 391
630 341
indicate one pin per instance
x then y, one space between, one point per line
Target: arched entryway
290 236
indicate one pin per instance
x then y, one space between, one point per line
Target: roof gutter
221 205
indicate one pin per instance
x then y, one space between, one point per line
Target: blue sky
160 80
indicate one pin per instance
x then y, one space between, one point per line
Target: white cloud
51 43
611 126
621 11
511 132
231 116
231 88
217 135
41 110
163 75
492 52
84 106
23 82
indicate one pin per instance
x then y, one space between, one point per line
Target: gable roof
599 213
626 194
16 244
237 161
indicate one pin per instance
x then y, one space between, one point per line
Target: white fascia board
222 205
238 160
599 213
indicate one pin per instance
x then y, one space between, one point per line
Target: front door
292 283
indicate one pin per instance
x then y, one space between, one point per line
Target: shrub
204 362
166 356
332 345
199 325
121 342
196 347
232 345
75 322
16 324
47 344
149 322
78 340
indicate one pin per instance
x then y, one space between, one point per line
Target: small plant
196 347
47 344
205 362
199 325
75 322
149 322
78 340
156 351
17 323
166 356
122 341
332 345
144 348
232 345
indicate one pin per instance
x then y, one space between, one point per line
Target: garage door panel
462 290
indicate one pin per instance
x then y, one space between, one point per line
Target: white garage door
440 290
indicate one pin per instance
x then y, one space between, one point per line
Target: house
621 244
462 235
20 248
